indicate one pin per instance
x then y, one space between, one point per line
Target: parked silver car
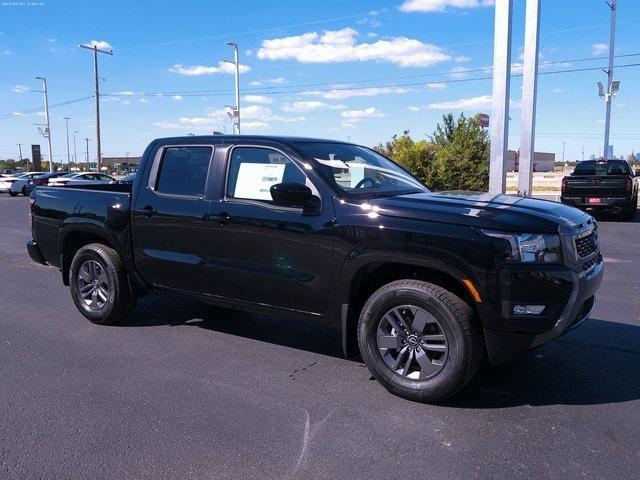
80 179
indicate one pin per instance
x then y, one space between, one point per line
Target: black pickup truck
423 285
602 186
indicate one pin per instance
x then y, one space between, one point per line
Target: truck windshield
360 171
594 167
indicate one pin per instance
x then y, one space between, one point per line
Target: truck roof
225 139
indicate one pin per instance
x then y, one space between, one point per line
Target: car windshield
611 167
360 171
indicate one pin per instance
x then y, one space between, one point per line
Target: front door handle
149 211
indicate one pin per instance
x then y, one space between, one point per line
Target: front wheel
420 341
13 194
99 286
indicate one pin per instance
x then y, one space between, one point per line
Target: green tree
462 155
415 157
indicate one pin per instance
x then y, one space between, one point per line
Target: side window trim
262 203
155 170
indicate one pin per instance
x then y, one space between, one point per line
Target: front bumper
613 204
35 253
503 345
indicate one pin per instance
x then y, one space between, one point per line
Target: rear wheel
419 340
99 286
13 194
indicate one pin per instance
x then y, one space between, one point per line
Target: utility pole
613 5
46 112
95 72
583 153
236 108
88 166
563 144
75 151
66 121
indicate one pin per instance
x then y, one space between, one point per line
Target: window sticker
255 180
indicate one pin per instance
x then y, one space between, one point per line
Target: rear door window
183 170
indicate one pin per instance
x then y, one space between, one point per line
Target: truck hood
483 210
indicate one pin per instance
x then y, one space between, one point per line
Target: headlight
531 247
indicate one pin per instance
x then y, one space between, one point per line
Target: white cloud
342 46
167 125
126 93
198 70
7 52
442 5
255 125
278 81
18 114
126 102
483 101
557 90
51 40
353 117
436 86
258 99
143 100
305 106
18 88
413 109
177 98
461 58
255 83
599 49
340 94
101 44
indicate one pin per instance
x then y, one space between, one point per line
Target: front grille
585 246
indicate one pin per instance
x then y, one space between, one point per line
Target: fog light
528 309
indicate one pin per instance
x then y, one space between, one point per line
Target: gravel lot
184 390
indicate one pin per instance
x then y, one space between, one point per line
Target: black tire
453 316
24 192
109 305
13 194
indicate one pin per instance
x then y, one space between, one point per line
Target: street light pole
612 39
95 50
88 167
66 121
236 113
20 155
75 151
46 112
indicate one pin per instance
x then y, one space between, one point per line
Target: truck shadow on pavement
597 363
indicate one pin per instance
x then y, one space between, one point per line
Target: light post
88 167
612 86
66 121
75 151
95 50
47 132
236 108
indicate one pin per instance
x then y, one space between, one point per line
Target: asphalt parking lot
183 390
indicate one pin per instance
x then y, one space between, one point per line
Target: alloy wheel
93 285
412 342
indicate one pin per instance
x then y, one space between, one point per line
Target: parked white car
81 179
16 184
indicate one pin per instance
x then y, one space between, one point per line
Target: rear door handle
223 218
149 211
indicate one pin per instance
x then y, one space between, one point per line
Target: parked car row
24 183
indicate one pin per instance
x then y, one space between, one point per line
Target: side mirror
291 195
637 172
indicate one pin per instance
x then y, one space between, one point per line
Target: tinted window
253 171
611 167
183 170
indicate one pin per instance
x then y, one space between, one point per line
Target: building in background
127 164
542 161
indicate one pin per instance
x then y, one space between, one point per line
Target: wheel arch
368 277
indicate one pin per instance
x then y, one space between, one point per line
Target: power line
38 109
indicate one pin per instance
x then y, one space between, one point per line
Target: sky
358 70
